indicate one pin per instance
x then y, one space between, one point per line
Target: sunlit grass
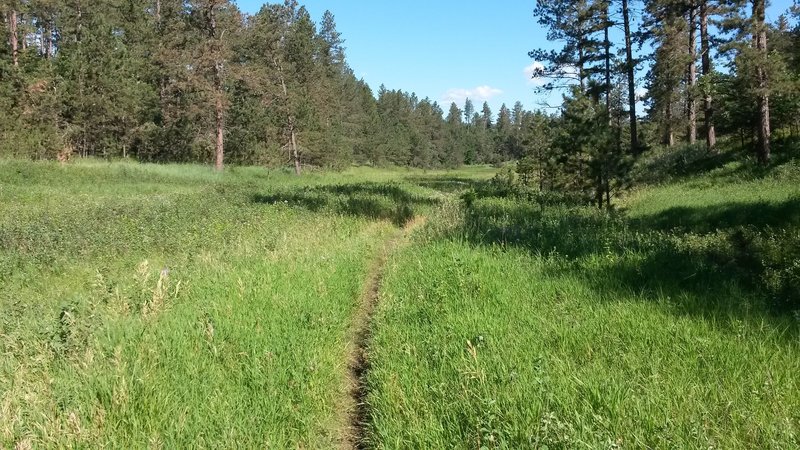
171 306
512 326
149 305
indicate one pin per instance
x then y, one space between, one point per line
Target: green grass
148 305
171 306
512 326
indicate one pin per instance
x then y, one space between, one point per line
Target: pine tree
707 75
630 67
665 27
759 33
576 24
469 111
691 73
453 154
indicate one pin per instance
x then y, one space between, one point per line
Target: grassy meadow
170 306
671 323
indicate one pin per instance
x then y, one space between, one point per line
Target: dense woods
699 67
199 81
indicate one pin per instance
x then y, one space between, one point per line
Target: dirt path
354 412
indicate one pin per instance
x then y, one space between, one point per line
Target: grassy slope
240 341
509 327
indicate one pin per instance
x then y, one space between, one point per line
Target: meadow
171 306
671 322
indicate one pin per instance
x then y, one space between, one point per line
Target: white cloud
480 93
641 93
531 70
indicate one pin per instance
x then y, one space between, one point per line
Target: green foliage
163 84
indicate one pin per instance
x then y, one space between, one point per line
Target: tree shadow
718 275
377 201
728 165
724 216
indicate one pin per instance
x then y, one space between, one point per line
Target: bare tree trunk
24 34
219 147
157 12
691 107
295 154
760 42
219 102
708 106
629 69
13 38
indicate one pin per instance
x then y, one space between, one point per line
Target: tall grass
170 306
516 325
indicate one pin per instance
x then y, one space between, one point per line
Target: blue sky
443 49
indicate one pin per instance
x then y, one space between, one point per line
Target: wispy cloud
480 93
531 70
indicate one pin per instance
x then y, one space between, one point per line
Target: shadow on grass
725 216
445 184
685 162
378 201
717 275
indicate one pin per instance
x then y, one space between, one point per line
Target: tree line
711 68
200 81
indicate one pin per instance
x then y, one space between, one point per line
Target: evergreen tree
576 24
469 111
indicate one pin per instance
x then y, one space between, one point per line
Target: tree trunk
48 41
79 31
607 46
629 69
295 154
760 42
669 135
24 34
599 192
219 148
708 106
691 81
219 106
157 11
13 38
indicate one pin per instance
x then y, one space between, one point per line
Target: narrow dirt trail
354 413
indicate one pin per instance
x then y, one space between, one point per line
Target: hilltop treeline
199 81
